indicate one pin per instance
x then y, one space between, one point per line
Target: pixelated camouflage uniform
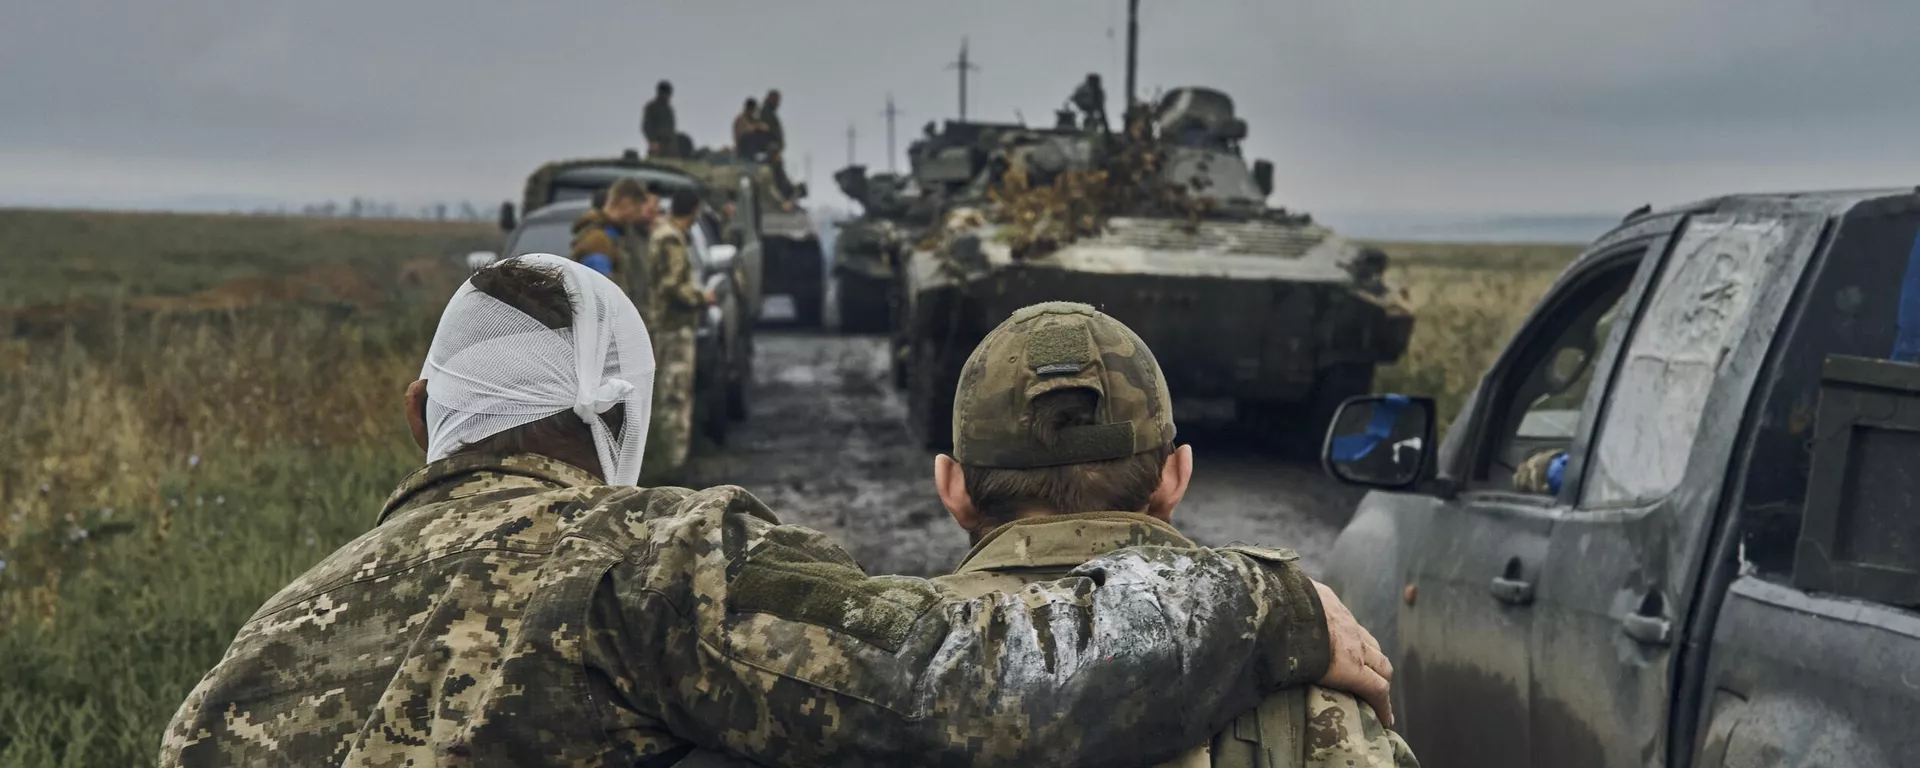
1058 346
672 308
1308 726
512 611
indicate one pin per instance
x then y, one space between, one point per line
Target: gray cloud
1473 105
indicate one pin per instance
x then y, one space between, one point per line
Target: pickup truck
1724 568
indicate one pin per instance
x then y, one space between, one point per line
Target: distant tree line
366 208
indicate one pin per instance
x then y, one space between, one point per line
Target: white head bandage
492 368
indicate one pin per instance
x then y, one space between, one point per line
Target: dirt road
827 447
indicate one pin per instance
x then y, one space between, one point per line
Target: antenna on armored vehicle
849 143
889 113
964 66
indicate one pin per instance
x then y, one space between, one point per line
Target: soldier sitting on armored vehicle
1042 485
744 124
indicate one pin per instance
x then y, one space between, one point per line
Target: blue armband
598 262
1556 469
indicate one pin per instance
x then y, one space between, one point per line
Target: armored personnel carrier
1166 228
898 209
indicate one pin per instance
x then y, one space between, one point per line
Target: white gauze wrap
492 368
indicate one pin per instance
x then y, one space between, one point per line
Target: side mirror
1380 441
800 191
1263 176
507 220
478 259
722 256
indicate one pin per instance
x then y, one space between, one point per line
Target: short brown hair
540 293
628 189
1112 485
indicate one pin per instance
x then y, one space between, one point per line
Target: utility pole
1133 49
890 113
964 66
849 143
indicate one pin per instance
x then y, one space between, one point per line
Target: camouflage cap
1049 347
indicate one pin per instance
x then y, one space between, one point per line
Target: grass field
198 407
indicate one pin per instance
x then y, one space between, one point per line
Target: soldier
1064 451
770 118
656 122
603 236
673 305
519 602
744 124
1091 99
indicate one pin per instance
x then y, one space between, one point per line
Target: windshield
555 237
582 183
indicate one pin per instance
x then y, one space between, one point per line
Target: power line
890 113
964 66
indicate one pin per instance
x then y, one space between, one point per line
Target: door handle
1511 591
1652 630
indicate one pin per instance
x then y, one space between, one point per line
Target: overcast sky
1397 105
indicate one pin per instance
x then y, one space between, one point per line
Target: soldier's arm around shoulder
769 642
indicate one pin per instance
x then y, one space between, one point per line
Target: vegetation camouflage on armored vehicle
1167 229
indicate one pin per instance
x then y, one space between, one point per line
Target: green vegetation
169 464
1467 300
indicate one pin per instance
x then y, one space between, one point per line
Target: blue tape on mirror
1386 411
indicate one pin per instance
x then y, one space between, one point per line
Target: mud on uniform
1058 346
671 309
513 611
1307 726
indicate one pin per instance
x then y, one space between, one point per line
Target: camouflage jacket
1308 726
594 233
514 612
672 297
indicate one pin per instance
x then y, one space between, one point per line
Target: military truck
771 222
1240 301
1721 564
576 182
779 251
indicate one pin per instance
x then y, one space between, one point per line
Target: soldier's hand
711 298
1358 665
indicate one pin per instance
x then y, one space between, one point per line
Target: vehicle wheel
900 362
809 307
711 410
737 385
932 377
864 306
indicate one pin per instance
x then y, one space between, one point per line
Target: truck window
1849 306
1540 399
1700 306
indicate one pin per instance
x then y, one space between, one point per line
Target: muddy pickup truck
1676 525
